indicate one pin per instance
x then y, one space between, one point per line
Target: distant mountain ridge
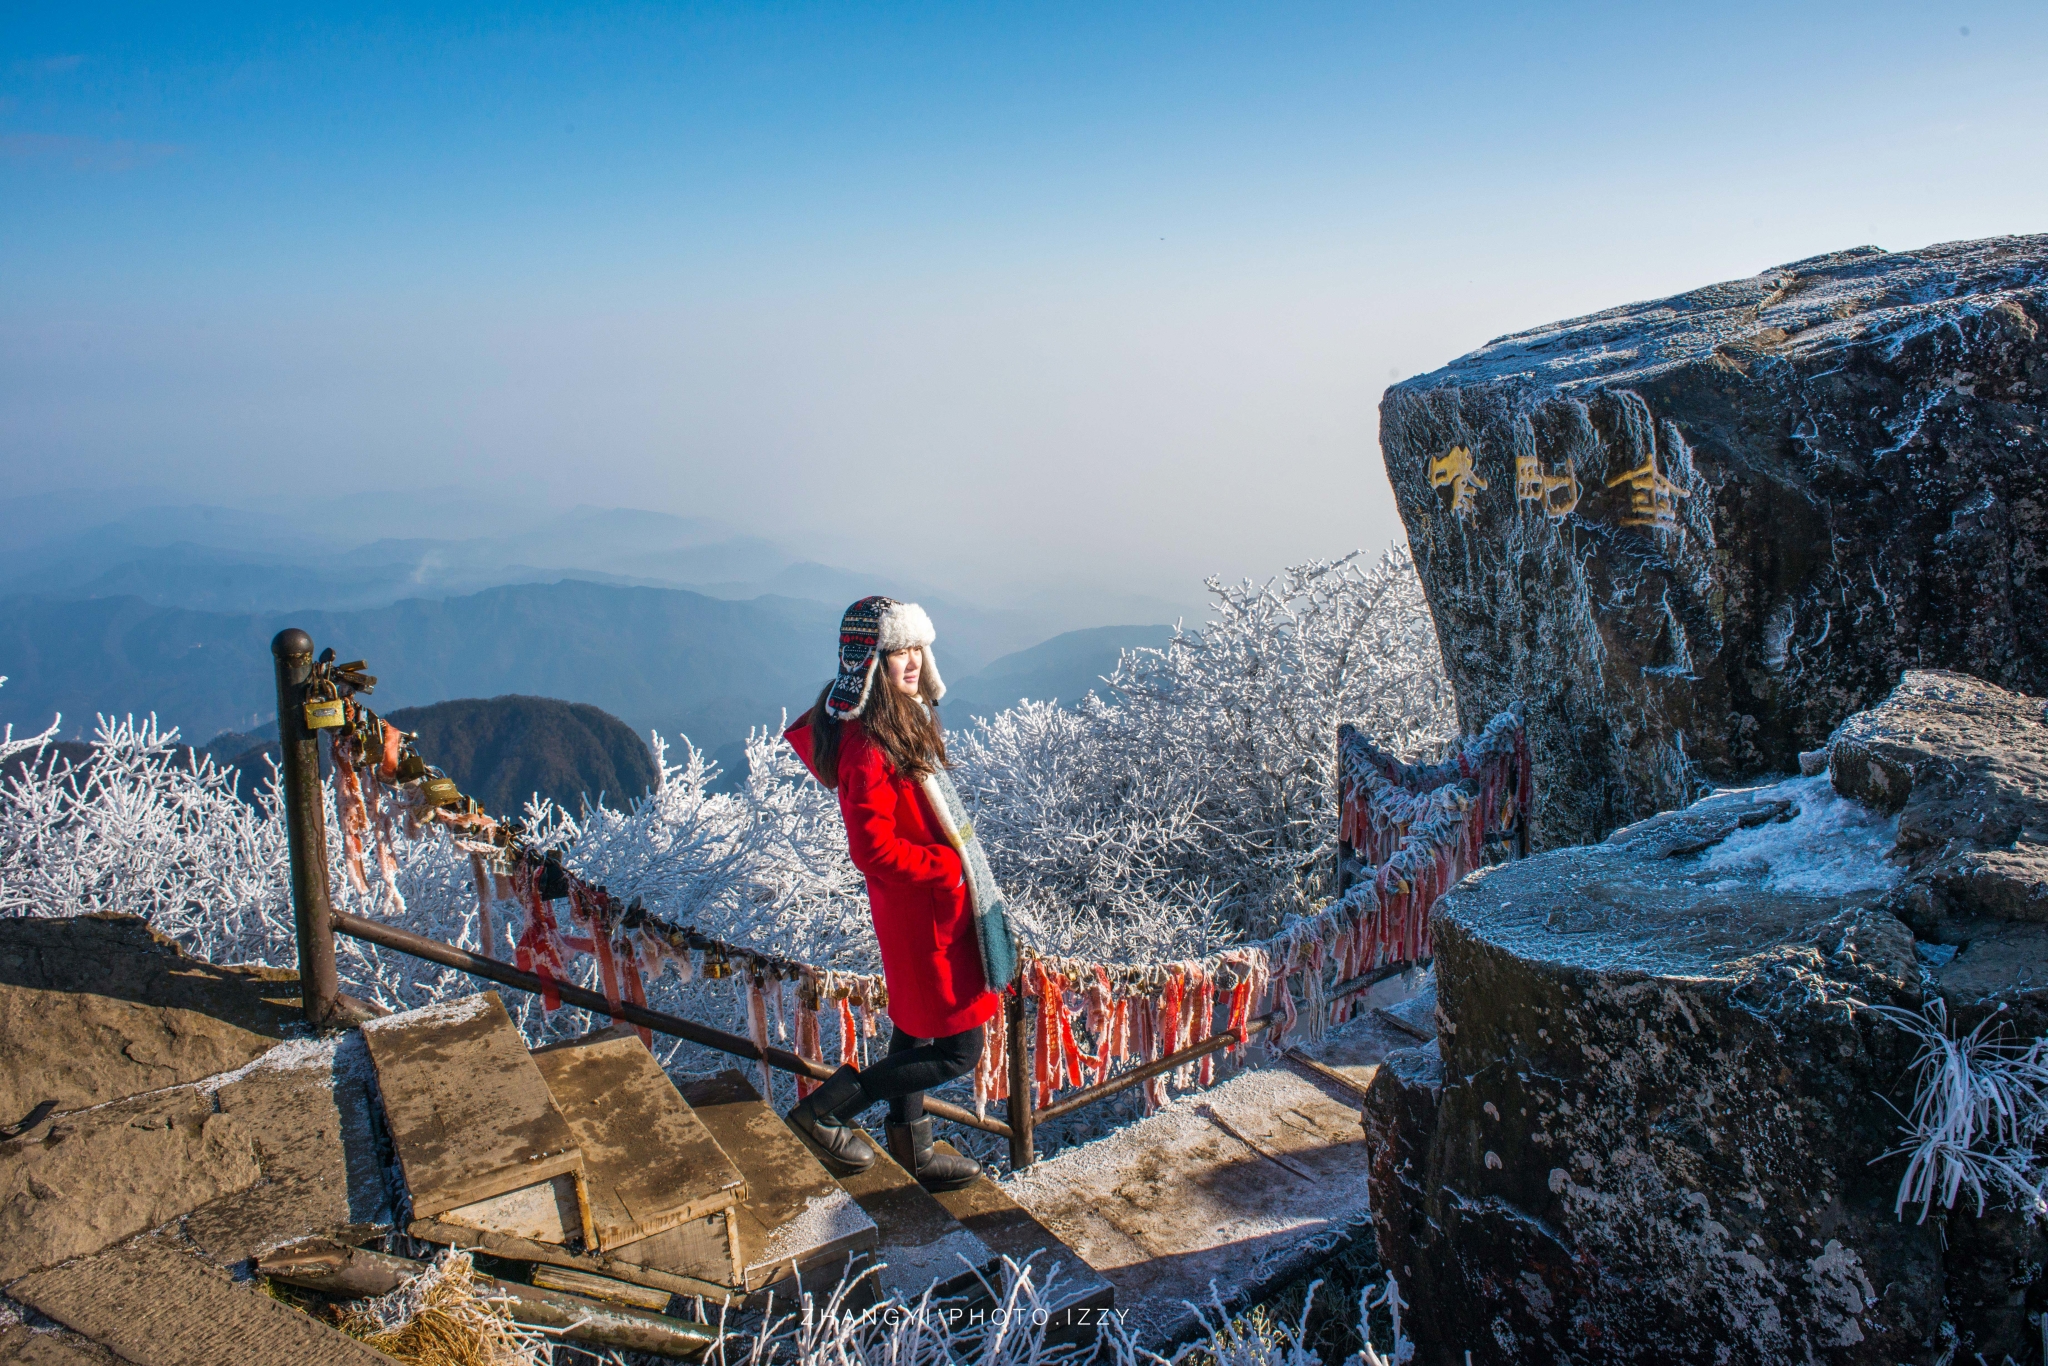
1064 669
659 659
118 605
499 750
367 551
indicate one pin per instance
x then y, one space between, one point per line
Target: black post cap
291 641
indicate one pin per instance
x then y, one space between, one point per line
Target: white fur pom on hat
903 625
872 628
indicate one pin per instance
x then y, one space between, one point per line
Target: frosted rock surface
1657 1120
1696 534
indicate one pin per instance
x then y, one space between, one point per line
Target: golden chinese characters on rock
1532 485
1653 498
1454 467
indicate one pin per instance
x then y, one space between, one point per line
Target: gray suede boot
816 1121
911 1146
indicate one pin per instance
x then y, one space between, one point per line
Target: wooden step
1073 1291
469 1113
795 1221
649 1163
920 1244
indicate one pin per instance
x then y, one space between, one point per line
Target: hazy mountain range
670 624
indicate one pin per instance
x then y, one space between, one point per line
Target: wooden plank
649 1164
546 1212
157 1307
662 1261
1356 1081
795 1218
1413 1031
345 1272
469 1113
1009 1230
599 1287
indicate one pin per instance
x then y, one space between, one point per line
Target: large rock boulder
1696 534
1964 767
1662 1128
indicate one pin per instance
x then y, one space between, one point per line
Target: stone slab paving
22 1346
74 1183
308 1107
156 1306
97 1007
1009 1230
1240 1187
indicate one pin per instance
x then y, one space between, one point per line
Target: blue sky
999 294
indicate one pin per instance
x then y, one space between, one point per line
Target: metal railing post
305 814
1017 1044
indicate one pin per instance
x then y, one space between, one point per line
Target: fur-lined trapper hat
871 628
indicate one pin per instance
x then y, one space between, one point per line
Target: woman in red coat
874 736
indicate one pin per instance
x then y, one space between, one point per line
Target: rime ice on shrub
1198 804
1193 809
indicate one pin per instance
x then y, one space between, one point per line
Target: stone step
1073 1291
795 1221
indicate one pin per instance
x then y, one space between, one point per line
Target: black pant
913 1066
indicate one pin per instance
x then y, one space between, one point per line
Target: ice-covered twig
1980 1103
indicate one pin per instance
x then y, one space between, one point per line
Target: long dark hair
908 734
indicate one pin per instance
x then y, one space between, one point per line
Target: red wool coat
917 891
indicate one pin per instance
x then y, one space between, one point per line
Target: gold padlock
441 791
325 713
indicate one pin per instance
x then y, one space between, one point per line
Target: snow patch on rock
1833 847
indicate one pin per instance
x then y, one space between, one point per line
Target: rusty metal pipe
1131 1078
1016 1045
447 955
305 818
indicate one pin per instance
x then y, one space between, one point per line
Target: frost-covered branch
1198 801
1979 1108
1190 808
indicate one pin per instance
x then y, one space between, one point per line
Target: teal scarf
991 925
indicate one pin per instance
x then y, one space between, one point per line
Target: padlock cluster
372 742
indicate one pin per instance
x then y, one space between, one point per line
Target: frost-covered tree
1190 807
1203 791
